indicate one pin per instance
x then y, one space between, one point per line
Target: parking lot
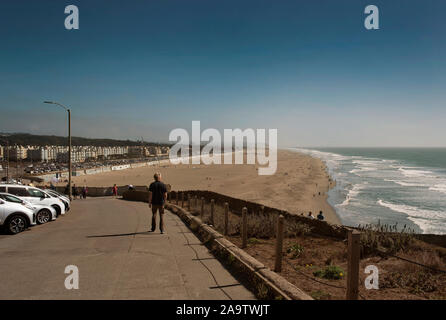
117 258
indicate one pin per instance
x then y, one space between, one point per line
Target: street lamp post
69 144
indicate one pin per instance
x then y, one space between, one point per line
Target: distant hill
41 140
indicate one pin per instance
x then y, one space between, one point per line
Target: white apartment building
18 153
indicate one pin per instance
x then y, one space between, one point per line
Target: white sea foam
439 187
353 193
411 172
407 184
426 219
363 169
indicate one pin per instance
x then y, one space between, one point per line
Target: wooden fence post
244 227
188 202
212 211
202 208
226 218
354 238
196 203
182 199
279 245
176 198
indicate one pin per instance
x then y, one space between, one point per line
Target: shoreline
300 185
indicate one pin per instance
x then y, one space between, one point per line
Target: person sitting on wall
310 215
131 188
320 216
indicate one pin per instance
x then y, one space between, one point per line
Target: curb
266 284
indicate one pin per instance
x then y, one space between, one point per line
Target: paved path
107 240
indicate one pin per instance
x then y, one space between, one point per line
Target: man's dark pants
155 208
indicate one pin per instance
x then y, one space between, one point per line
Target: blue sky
308 68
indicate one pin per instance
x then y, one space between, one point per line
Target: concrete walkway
117 258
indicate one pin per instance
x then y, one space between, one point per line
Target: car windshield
36 193
10 198
52 193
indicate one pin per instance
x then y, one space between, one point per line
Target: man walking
157 198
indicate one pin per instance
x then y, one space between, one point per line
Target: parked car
61 196
43 213
34 196
15 217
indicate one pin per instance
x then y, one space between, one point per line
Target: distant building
42 154
18 153
138 151
79 153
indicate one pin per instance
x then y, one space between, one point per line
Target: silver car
15 217
43 213
64 198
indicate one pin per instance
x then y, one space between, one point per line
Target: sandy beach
299 186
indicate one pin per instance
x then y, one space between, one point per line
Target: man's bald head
157 176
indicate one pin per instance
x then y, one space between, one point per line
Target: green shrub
295 250
295 229
378 237
330 272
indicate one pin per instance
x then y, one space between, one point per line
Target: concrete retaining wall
265 283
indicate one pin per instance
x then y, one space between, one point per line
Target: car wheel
58 210
43 216
16 224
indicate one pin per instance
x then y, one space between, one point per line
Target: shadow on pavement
121 234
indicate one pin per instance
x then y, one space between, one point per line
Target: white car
15 217
34 196
61 196
43 213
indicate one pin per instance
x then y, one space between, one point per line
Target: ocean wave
322 154
426 219
407 184
415 172
352 193
439 187
368 162
363 169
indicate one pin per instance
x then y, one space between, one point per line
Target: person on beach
74 191
310 215
67 189
84 192
320 216
157 198
115 190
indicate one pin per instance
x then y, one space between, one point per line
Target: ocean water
406 186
